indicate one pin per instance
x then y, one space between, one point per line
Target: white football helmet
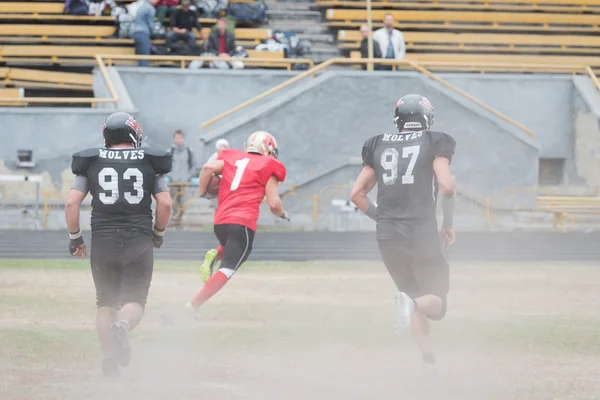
262 142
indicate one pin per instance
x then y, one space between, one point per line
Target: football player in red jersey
246 177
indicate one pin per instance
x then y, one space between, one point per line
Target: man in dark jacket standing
182 22
364 46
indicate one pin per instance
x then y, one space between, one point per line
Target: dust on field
308 330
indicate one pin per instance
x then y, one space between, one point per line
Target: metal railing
575 205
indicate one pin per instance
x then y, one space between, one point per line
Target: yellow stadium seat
56 30
469 20
517 59
24 7
15 93
491 5
350 39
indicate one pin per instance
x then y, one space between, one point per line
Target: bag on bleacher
272 45
126 26
211 8
133 7
158 31
76 7
249 13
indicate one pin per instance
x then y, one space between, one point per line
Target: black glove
157 237
74 244
285 216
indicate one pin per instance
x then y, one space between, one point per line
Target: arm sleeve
198 24
445 146
174 19
401 51
160 185
161 163
209 44
81 183
367 154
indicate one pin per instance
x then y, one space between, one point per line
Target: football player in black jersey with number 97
122 178
409 168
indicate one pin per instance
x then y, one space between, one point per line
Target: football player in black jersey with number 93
121 178
409 168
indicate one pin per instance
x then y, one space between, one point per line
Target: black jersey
121 182
406 185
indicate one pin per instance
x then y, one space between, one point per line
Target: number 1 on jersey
239 172
389 162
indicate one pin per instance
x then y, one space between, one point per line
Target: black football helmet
120 128
413 112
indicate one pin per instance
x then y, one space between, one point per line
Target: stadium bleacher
489 5
36 34
511 31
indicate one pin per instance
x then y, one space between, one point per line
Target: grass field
306 331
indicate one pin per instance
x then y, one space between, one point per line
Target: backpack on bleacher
76 7
158 31
211 8
249 13
126 26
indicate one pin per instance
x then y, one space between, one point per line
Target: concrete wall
53 134
324 122
587 131
169 99
543 103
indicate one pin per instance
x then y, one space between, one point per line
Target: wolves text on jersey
401 137
121 154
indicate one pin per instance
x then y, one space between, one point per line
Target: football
213 185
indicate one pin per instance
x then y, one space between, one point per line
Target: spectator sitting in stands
221 42
222 144
182 22
144 20
166 8
391 41
364 46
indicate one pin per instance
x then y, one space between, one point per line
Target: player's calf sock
220 251
211 287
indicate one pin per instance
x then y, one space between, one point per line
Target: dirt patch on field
514 331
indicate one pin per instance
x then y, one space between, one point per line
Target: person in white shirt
391 41
222 144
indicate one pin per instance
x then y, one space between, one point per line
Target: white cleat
405 307
192 311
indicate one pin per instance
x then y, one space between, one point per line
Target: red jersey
242 187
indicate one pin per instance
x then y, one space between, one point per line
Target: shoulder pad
444 144
82 160
368 150
278 169
159 159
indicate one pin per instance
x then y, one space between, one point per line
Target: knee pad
442 313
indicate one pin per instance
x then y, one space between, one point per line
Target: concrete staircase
299 17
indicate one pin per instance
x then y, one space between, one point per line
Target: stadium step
317 37
294 15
